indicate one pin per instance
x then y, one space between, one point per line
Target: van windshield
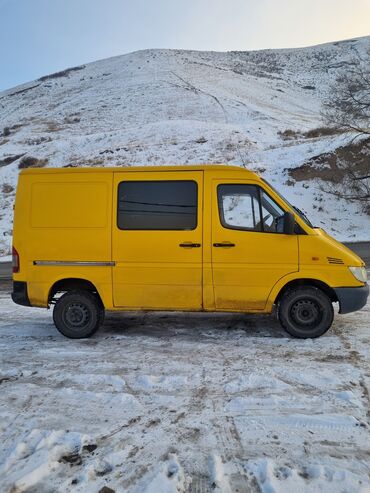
300 213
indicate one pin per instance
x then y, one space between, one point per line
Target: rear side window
157 205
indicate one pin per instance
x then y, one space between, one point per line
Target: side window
239 206
157 205
248 207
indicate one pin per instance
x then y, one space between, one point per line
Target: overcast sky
38 37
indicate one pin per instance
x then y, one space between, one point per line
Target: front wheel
305 312
78 314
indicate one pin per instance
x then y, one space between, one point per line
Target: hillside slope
182 107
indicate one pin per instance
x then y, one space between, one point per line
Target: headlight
359 273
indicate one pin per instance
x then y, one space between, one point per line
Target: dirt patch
62 73
90 448
53 127
31 162
37 141
332 166
71 119
10 159
93 162
21 91
106 489
72 459
314 133
7 188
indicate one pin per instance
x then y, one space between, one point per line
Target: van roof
184 167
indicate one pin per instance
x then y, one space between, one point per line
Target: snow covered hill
159 107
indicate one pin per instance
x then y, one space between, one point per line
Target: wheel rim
306 313
76 315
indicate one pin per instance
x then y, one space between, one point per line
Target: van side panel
59 219
154 268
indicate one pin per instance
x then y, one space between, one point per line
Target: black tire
78 314
305 312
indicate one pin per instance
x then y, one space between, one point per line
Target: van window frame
159 229
259 190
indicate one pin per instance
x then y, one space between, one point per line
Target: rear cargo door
157 240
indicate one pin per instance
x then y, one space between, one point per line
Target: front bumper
352 299
19 294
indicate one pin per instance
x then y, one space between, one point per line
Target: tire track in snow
229 442
356 358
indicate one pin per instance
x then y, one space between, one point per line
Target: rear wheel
78 314
306 312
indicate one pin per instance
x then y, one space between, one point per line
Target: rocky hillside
259 109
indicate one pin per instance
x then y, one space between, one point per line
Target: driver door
248 255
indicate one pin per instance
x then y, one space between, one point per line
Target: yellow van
197 238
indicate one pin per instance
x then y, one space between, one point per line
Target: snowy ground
163 403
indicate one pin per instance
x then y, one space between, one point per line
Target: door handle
189 244
224 244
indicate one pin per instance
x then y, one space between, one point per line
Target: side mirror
285 223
